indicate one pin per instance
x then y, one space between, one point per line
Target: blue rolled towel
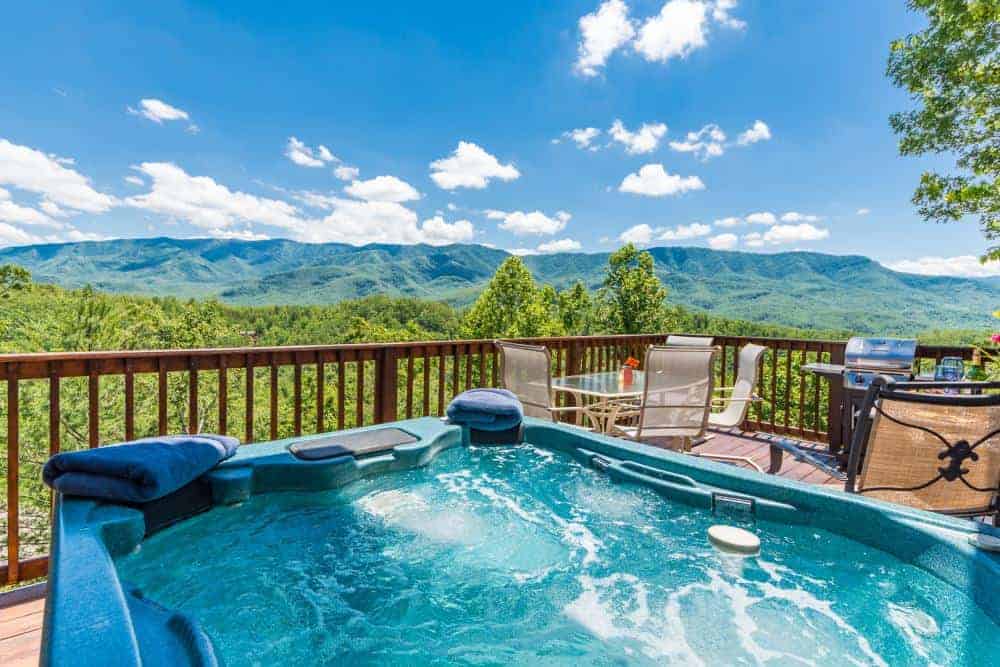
486 409
138 471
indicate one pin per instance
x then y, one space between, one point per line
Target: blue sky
758 126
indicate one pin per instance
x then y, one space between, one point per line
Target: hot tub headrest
138 471
486 410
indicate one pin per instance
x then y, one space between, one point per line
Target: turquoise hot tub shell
92 618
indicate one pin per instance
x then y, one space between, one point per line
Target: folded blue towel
486 409
138 471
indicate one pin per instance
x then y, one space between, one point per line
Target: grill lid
891 354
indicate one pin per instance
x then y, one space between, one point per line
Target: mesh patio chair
736 400
685 341
917 446
676 399
526 370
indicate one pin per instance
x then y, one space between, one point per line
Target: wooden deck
21 622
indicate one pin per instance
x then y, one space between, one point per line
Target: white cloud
705 143
601 33
781 234
653 181
637 234
470 167
795 216
644 140
204 203
536 222
438 232
135 180
583 137
47 175
494 214
383 188
51 208
721 15
346 173
723 242
158 111
560 245
967 266
759 131
685 232
11 235
762 218
304 156
675 32
864 211
728 222
753 240
13 212
246 234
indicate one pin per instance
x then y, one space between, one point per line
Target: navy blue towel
486 409
138 471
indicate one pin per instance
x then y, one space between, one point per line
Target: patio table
600 389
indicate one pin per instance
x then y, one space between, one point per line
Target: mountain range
801 289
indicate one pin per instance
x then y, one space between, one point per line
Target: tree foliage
952 72
632 299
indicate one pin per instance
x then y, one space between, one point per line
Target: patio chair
676 399
692 341
526 370
917 445
736 404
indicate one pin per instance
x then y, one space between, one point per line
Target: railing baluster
456 365
193 425
341 383
409 384
273 397
129 400
223 396
788 383
13 476
426 379
359 405
297 398
320 396
774 386
482 365
93 405
441 380
55 410
248 395
801 421
161 396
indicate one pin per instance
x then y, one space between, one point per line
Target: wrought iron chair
917 445
526 370
741 394
686 341
676 399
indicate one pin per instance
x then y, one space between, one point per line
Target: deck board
21 623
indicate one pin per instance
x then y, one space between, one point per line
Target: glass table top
600 384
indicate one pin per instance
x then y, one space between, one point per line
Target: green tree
13 278
952 72
511 306
576 310
632 298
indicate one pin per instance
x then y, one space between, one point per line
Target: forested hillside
797 289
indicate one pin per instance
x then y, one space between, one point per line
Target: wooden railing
64 401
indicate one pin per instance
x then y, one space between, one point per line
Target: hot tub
566 548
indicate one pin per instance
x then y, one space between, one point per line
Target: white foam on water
411 512
917 625
579 536
595 610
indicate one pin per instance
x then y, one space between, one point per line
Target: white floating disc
985 542
733 539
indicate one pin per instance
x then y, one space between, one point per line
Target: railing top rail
35 357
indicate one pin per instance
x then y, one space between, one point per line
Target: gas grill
864 359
